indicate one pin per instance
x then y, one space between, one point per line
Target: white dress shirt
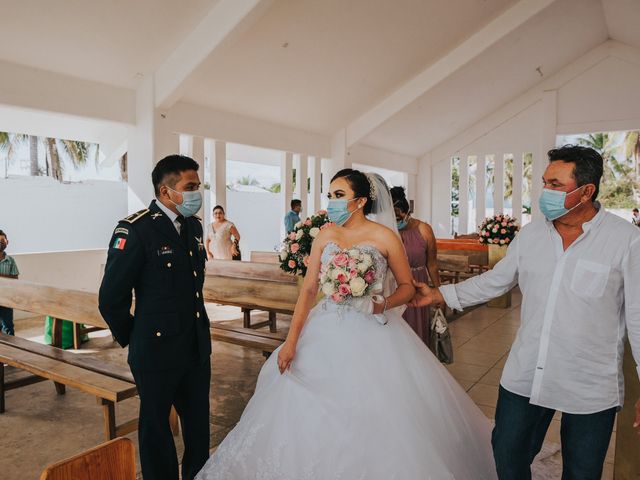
172 216
577 306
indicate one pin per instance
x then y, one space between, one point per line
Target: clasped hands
426 296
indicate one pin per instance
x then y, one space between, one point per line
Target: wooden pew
264 257
265 341
251 286
108 382
452 267
477 253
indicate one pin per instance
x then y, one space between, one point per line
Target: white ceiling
317 65
106 41
340 57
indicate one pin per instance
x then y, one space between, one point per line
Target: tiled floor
40 427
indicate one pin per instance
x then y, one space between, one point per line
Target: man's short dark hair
634 210
2 234
171 166
295 203
588 164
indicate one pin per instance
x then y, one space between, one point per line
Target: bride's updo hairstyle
399 198
360 185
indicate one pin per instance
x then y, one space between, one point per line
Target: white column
286 186
301 180
339 160
316 186
423 189
548 132
463 204
498 183
481 188
516 199
218 173
197 153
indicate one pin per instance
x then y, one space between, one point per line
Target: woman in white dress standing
353 393
220 245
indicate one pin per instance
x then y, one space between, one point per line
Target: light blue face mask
191 202
551 203
403 223
338 212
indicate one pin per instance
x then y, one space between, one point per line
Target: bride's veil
382 212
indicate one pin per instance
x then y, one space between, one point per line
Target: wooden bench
251 286
265 341
107 389
477 253
453 268
264 257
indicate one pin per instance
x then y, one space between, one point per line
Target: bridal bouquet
498 230
296 247
348 274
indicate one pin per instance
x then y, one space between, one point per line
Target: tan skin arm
398 264
432 252
235 233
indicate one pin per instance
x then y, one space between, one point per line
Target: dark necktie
183 231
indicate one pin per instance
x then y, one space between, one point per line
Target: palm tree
632 147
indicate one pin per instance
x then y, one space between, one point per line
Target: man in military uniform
158 254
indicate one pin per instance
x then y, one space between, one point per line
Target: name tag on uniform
165 250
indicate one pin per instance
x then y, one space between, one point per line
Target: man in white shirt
579 272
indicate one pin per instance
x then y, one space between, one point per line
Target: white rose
300 234
358 286
328 289
365 262
314 232
354 253
283 255
298 225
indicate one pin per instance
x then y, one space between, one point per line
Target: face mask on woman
404 222
338 211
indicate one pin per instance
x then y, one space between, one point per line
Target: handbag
238 254
440 338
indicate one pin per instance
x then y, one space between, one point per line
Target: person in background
635 219
8 269
420 244
220 245
293 216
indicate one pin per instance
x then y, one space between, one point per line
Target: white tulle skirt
361 401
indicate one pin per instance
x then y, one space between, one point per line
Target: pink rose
503 231
370 276
326 225
305 260
292 236
353 273
507 240
295 247
504 224
344 289
342 278
292 264
341 260
322 212
495 240
336 297
307 222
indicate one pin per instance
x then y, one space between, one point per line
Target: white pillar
301 180
498 183
316 186
286 186
423 189
197 153
481 188
186 144
463 204
548 132
516 199
339 159
218 172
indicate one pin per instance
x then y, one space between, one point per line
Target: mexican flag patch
119 243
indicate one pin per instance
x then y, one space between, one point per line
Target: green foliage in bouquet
296 246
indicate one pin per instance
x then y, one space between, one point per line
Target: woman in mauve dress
420 244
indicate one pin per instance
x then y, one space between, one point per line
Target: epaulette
135 216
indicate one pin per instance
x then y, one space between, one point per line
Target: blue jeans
6 320
520 430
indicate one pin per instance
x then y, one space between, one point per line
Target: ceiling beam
443 67
226 18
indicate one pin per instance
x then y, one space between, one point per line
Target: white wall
597 92
42 215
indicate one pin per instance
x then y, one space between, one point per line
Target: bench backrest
115 459
249 271
76 305
264 257
453 263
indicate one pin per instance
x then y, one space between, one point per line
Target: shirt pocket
590 279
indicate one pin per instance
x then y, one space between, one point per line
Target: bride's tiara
372 185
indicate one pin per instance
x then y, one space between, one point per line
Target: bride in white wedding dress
353 393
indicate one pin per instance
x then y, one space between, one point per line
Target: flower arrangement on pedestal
296 247
498 230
